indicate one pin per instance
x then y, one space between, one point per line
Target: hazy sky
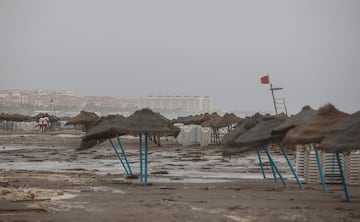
187 47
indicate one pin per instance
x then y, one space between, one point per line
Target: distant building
65 103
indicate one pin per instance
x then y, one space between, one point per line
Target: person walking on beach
46 123
41 124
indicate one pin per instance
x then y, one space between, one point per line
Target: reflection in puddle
185 165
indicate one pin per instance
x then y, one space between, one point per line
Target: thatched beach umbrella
343 136
156 137
182 119
311 132
197 119
210 121
84 118
244 126
146 122
260 136
241 128
227 120
104 128
291 122
14 117
142 122
9 119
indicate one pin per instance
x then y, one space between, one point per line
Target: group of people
43 123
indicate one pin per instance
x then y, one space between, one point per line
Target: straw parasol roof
211 120
197 119
105 127
306 113
14 117
145 121
181 119
260 134
102 129
142 121
344 135
241 128
227 120
310 131
52 118
83 117
343 124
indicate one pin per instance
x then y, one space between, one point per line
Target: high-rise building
64 103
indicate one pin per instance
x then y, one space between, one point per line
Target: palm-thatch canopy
101 129
105 127
147 122
311 131
197 119
142 121
241 128
14 117
211 120
52 118
343 124
83 117
306 113
260 134
343 136
227 120
181 119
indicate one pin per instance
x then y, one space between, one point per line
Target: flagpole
272 92
265 80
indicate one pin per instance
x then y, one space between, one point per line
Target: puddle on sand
65 196
69 135
213 167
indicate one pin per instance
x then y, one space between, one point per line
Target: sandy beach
43 178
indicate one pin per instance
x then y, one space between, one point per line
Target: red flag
265 79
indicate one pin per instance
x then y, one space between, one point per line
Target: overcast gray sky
189 47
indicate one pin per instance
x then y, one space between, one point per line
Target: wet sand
43 178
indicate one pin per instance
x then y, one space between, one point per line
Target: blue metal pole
320 170
141 160
146 159
272 167
347 199
273 163
124 154
119 157
290 165
261 164
273 171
